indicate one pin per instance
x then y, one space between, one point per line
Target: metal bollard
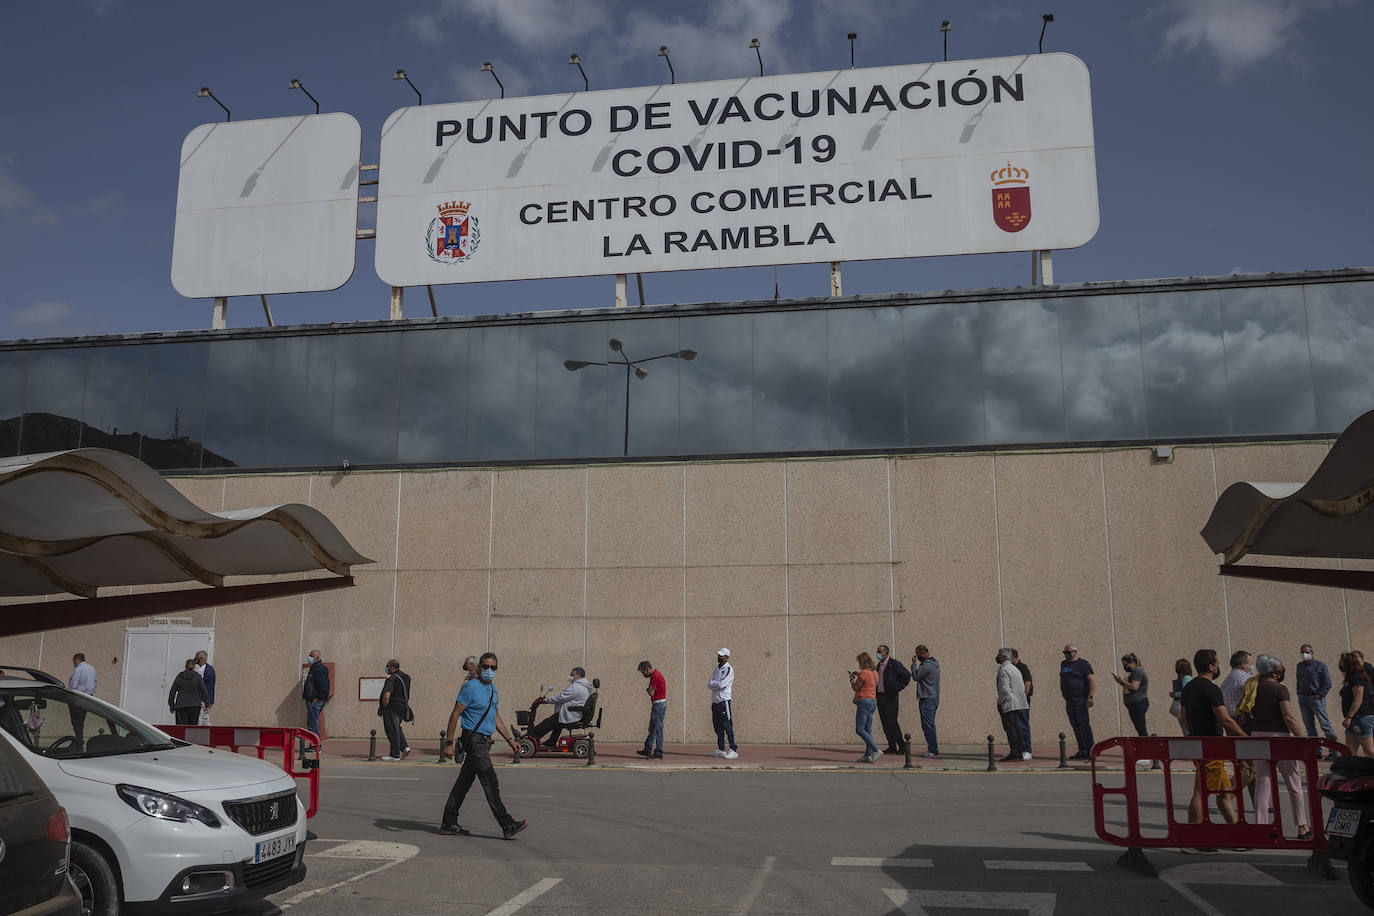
1063 753
372 746
443 743
907 765
992 762
1155 764
591 749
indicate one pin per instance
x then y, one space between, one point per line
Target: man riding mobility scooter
574 710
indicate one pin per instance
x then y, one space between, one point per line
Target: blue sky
1232 135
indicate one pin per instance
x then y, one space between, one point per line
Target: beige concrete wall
795 565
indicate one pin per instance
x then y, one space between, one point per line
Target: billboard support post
433 309
397 301
836 286
267 312
1042 268
639 278
220 313
620 291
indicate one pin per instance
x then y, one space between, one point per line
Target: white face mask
1307 656
572 678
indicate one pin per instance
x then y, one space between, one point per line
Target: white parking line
524 897
1026 865
756 885
391 854
914 903
882 863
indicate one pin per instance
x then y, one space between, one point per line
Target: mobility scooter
569 744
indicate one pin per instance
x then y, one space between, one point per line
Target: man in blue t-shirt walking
477 707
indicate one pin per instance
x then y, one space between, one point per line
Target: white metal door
152 658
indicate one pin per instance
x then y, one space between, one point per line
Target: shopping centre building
795 480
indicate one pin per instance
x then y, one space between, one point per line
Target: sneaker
866 758
1025 755
730 755
718 752
391 759
876 755
658 756
1010 757
454 830
929 754
510 832
405 753
644 752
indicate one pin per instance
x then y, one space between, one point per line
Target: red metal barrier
1181 755
289 741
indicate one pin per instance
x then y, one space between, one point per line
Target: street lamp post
631 365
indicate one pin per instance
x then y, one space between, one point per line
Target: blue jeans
312 715
928 705
863 724
724 725
1077 710
1023 721
1313 712
654 740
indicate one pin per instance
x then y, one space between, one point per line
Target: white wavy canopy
83 519
1328 516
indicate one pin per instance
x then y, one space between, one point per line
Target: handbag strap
490 697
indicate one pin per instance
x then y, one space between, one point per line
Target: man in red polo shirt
658 708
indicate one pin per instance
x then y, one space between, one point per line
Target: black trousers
551 727
395 737
186 715
477 765
887 715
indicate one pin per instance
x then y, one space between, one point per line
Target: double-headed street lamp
631 365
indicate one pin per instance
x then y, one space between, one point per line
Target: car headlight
164 806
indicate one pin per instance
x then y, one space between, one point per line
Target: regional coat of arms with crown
1011 205
453 234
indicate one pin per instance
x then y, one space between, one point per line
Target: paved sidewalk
959 758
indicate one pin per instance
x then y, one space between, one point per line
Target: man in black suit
893 677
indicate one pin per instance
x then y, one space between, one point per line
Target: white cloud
111 200
17 199
1240 33
51 318
531 24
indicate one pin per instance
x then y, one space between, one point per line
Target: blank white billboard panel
926 159
267 206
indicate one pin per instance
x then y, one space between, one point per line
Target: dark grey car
35 842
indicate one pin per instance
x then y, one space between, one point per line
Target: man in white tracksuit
722 680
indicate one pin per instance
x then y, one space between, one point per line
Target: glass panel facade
1141 364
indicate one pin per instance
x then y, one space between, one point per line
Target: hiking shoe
730 755
454 830
718 752
510 832
931 754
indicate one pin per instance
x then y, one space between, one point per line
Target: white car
158 825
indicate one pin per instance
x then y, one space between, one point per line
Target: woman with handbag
394 708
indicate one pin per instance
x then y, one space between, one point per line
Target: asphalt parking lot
636 840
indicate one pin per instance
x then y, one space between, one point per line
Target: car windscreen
61 723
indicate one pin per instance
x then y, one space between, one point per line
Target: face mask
309 660
571 678
880 656
1307 656
487 675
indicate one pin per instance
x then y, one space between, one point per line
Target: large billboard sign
927 159
267 206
